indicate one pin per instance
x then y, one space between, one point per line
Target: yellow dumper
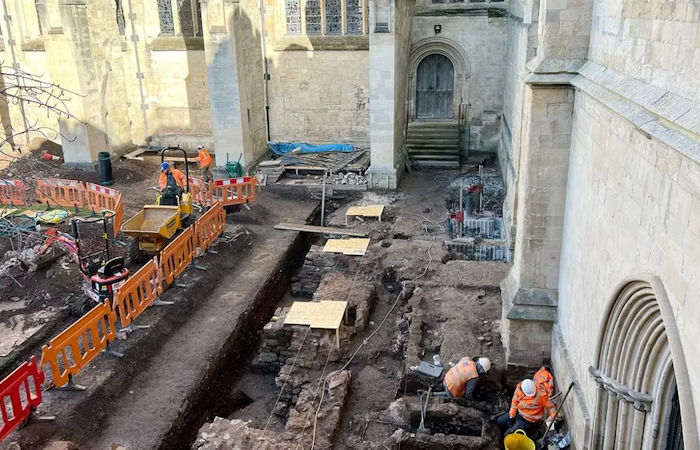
155 225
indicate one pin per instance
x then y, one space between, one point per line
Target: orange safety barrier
53 191
210 226
118 216
234 191
20 394
99 197
200 191
177 255
79 344
138 292
12 192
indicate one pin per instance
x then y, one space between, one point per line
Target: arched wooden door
435 88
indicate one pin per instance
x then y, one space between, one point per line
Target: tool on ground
102 274
518 440
155 225
542 443
423 410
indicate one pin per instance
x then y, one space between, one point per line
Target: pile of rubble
308 422
350 178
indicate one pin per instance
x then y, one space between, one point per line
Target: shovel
542 444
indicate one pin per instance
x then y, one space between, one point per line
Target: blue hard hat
164 166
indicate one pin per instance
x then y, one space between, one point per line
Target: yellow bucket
518 441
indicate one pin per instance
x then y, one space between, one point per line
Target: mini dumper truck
155 225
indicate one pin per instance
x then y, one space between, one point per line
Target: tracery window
187 21
325 17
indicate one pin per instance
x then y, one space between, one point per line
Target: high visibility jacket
458 376
531 408
180 179
544 380
204 158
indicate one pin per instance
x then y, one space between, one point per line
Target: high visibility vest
204 158
544 380
180 179
457 377
531 408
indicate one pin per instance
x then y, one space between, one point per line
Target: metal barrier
20 394
138 293
12 192
200 191
79 344
210 226
234 191
177 255
52 191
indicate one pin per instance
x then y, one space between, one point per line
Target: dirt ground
196 362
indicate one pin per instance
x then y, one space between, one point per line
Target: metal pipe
139 75
323 198
266 75
461 209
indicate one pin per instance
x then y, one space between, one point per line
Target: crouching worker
172 183
462 379
527 410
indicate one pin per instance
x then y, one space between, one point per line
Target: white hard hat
528 387
485 363
199 147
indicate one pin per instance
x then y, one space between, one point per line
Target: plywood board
367 211
351 246
326 314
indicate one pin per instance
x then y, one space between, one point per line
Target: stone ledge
175 43
311 43
34 45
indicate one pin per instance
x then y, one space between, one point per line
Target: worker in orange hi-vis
461 380
172 183
204 160
528 408
544 380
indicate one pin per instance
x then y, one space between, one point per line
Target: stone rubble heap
350 178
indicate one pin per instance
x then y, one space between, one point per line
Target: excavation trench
213 395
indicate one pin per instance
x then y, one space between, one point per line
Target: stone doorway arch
461 69
644 395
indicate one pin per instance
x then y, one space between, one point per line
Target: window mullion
175 8
323 17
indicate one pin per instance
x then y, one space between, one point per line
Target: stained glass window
165 16
184 12
121 24
334 17
313 17
353 16
293 17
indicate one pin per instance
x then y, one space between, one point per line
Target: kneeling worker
462 379
528 408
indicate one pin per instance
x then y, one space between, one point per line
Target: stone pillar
530 289
222 82
71 64
563 36
382 171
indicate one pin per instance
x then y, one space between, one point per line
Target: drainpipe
15 67
139 75
266 75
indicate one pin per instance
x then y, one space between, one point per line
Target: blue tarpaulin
282 148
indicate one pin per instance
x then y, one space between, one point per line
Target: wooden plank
351 246
326 314
317 229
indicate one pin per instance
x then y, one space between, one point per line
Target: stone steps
433 144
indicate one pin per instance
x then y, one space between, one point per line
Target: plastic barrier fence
234 191
12 192
99 197
138 292
65 193
79 344
175 258
20 394
200 191
118 216
210 226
